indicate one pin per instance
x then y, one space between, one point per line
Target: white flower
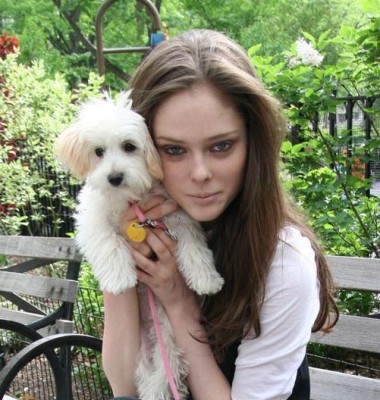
293 62
307 54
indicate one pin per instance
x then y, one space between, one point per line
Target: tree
62 32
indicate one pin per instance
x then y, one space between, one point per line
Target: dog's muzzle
116 178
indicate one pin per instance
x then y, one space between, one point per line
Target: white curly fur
129 170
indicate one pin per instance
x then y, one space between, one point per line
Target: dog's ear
153 160
72 150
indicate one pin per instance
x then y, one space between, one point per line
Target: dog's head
110 146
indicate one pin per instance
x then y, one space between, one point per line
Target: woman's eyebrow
168 139
224 135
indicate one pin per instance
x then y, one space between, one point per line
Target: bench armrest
60 350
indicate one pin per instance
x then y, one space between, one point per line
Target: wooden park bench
20 280
39 350
351 332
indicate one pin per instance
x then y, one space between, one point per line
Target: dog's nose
115 179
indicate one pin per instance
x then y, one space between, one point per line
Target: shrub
324 171
34 195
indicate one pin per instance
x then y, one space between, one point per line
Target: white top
266 367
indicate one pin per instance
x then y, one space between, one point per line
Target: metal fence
356 118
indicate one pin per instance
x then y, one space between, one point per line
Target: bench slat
331 385
40 286
351 332
355 273
60 326
359 333
40 247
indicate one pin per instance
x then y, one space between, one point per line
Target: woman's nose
201 170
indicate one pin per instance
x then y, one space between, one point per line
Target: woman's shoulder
294 257
293 243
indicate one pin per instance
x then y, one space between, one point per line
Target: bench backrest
352 332
42 301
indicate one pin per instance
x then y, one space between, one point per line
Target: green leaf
370 6
286 146
308 36
254 49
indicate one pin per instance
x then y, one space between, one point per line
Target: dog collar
136 231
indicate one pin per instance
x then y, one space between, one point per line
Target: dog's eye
99 152
129 147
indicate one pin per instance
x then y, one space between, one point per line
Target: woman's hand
155 256
162 275
155 208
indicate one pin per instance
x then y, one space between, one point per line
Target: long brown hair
246 234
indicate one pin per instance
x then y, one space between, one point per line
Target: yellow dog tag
135 232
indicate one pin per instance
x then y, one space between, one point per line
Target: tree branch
209 20
158 5
88 45
349 199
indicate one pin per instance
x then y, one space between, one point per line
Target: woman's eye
129 147
99 151
174 150
221 147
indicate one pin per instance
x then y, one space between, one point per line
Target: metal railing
101 51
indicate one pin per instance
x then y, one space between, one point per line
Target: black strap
228 364
301 389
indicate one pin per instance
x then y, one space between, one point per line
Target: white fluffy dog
110 147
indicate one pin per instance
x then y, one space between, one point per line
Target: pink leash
157 327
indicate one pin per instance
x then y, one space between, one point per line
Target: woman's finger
129 213
142 248
155 208
160 246
152 202
161 242
158 207
145 266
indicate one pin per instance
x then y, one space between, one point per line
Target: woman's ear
72 150
153 160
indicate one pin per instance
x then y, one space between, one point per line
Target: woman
218 134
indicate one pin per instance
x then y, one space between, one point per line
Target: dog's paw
210 284
216 283
118 286
197 267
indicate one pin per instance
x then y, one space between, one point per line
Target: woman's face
202 142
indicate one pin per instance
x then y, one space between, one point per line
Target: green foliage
62 33
320 170
89 309
273 23
34 109
343 216
358 303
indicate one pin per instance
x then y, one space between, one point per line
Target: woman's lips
205 198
